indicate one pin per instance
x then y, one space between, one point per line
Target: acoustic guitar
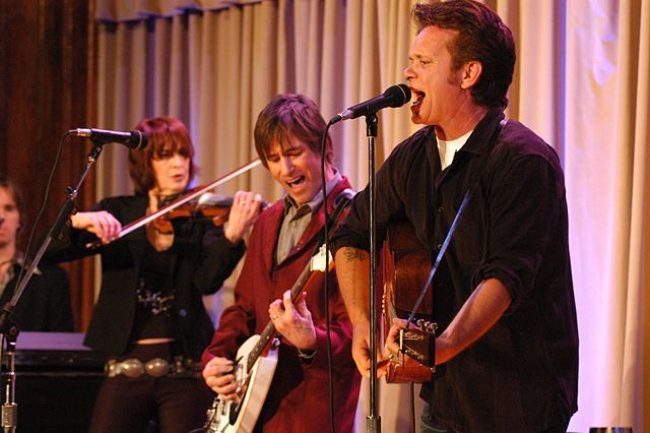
405 268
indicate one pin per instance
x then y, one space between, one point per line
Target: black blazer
44 306
202 259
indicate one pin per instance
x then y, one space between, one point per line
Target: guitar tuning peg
424 325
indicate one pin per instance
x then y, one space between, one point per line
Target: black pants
127 405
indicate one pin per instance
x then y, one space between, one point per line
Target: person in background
149 319
287 138
44 305
507 348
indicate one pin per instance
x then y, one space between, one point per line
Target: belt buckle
129 367
157 367
133 368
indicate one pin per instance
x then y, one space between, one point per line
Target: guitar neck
268 333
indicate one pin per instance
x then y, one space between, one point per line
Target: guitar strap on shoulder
441 253
341 202
454 223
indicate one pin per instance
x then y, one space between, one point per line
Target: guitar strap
341 202
454 224
441 253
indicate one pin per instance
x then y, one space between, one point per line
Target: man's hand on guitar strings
219 376
294 321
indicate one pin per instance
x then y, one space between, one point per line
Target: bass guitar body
254 381
256 361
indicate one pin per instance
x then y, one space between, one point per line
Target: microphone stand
8 329
373 421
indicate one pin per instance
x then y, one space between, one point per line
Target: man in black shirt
503 296
44 306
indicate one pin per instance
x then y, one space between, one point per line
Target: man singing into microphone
507 349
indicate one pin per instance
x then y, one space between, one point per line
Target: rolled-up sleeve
523 205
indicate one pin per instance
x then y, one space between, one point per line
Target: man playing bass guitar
282 243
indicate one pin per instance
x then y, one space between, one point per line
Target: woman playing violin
149 319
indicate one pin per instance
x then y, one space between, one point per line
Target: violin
209 207
179 202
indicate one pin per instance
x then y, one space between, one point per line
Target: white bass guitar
254 367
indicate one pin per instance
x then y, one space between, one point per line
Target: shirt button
441 210
438 247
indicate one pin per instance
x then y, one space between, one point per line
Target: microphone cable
41 211
330 362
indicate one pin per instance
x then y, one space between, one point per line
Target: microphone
131 139
394 96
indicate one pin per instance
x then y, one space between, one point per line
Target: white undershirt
448 148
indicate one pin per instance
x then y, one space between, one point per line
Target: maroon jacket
298 398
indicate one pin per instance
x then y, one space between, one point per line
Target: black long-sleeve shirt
522 375
200 259
44 306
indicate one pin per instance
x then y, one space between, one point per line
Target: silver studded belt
157 367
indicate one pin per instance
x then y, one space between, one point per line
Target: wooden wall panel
46 88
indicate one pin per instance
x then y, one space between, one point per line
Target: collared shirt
44 305
522 374
297 218
18 263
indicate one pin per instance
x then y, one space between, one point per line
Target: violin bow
179 202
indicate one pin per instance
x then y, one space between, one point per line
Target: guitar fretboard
269 330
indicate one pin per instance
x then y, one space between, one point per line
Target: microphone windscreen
398 95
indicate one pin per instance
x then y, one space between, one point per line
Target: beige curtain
217 69
582 82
